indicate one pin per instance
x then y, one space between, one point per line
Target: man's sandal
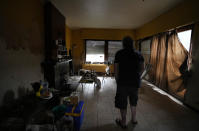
118 122
134 122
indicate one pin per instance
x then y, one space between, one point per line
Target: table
88 78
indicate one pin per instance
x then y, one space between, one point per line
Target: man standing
128 66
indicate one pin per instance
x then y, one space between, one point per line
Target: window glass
145 47
94 51
113 47
146 50
185 38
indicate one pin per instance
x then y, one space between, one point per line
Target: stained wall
21 46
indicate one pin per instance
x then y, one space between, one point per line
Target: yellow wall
106 34
79 35
185 13
68 38
77 49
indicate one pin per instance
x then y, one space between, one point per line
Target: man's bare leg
123 113
133 114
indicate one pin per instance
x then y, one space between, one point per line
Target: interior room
58 72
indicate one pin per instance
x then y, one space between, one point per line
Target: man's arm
141 67
116 70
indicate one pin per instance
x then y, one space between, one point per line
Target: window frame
105 47
85 45
140 46
186 28
112 41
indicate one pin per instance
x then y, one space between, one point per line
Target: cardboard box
74 98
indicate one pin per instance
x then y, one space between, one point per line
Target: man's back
129 67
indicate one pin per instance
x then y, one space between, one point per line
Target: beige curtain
167 56
157 60
176 55
154 47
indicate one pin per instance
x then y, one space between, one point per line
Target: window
145 46
113 47
95 51
185 38
146 49
99 51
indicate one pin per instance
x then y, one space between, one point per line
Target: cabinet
54 31
57 60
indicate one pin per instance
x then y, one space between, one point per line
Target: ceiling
114 14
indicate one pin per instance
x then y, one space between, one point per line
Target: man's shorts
122 95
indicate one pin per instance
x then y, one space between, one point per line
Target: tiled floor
155 112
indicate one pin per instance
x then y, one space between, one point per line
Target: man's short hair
127 42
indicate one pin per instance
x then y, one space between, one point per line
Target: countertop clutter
44 109
64 109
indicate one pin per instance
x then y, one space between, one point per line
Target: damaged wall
21 45
191 96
